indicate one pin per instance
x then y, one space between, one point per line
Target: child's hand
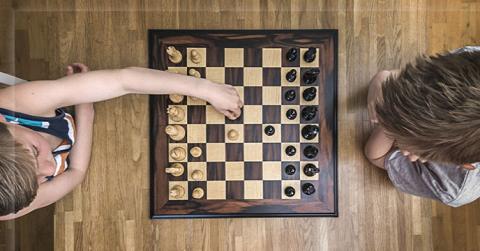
412 156
76 68
85 109
225 99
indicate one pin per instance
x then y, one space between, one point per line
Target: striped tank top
61 125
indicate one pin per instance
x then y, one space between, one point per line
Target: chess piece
178 153
176 113
290 150
310 152
308 189
174 55
197 175
291 75
292 54
269 130
309 132
175 98
290 169
195 57
176 132
176 169
194 73
196 151
310 170
310 76
198 193
233 135
177 192
309 112
309 94
291 114
290 95
310 55
289 191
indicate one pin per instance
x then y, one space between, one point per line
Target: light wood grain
110 210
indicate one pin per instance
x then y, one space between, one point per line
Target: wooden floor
110 209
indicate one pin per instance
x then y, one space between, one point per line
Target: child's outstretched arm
41 97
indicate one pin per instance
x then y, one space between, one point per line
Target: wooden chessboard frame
163 208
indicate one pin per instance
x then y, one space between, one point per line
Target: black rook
308 188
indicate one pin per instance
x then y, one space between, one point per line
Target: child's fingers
413 157
405 153
69 70
230 115
81 67
237 112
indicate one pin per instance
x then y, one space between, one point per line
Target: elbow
124 77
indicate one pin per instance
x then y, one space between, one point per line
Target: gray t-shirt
451 184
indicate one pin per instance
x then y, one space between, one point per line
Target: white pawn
195 57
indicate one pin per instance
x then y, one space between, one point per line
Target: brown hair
432 108
18 182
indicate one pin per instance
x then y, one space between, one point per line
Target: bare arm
41 97
51 191
378 146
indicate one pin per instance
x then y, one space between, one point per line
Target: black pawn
291 75
309 132
309 112
289 191
269 130
290 95
310 76
310 55
310 152
310 170
292 54
291 114
290 150
290 169
309 94
308 189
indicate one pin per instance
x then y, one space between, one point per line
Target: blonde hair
432 108
18 181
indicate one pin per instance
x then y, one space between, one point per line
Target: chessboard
279 158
